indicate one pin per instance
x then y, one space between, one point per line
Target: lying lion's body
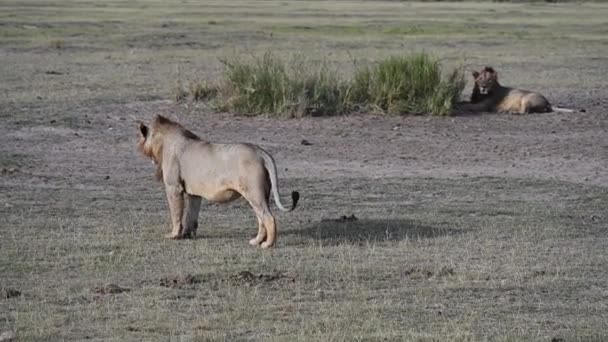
191 168
490 96
509 100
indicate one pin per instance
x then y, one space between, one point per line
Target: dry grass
179 94
202 90
429 259
469 270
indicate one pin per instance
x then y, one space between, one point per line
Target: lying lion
191 168
489 96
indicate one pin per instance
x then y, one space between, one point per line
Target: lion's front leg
175 197
192 206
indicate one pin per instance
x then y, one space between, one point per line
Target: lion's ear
475 74
143 129
161 120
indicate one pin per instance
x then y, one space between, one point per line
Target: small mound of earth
343 218
539 274
420 273
417 273
446 271
181 280
7 336
7 293
109 289
248 278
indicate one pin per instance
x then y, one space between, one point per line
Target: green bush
411 84
270 85
260 87
317 91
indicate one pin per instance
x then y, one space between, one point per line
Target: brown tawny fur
490 96
191 169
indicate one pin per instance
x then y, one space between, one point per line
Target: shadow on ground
358 231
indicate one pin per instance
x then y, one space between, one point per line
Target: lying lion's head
485 80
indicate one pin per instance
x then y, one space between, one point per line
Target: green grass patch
409 84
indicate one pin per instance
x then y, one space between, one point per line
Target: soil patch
342 218
179 281
422 273
109 289
250 279
7 293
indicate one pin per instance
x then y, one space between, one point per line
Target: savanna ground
490 227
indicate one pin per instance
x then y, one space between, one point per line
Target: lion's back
522 101
203 157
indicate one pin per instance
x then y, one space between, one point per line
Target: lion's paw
266 245
254 241
190 235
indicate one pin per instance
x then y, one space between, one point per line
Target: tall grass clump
411 84
317 90
258 87
273 86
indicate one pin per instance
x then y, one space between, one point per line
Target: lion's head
486 80
152 138
150 142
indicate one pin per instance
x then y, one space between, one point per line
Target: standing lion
191 168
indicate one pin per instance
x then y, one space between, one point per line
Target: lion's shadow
460 110
358 231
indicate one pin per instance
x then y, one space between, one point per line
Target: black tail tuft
295 196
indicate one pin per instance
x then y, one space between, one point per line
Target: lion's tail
272 172
561 110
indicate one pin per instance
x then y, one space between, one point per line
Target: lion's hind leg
261 237
192 206
271 230
267 230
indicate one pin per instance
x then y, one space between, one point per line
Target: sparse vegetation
409 84
57 44
196 90
178 92
201 90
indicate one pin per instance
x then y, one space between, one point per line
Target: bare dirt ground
489 227
556 146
